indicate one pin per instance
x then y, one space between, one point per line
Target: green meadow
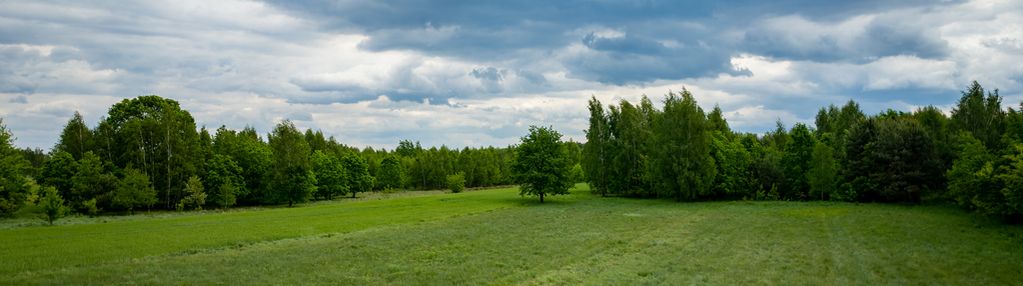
496 237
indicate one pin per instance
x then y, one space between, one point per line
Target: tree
58 171
798 153
255 159
92 181
971 181
358 178
733 163
195 197
716 121
330 175
541 164
902 154
596 152
981 116
76 139
1011 177
577 174
134 191
293 177
456 182
685 168
223 176
154 135
822 174
392 173
13 166
628 153
52 204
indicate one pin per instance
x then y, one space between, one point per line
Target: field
497 237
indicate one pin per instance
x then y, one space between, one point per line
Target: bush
52 204
196 197
89 207
456 182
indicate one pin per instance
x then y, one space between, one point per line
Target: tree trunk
541 198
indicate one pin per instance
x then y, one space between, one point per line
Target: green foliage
981 116
628 162
392 173
13 181
541 164
822 174
597 152
293 176
716 121
577 174
52 204
76 139
456 182
154 135
903 152
735 171
195 196
133 191
684 168
796 162
225 181
357 175
88 207
330 176
1011 178
970 177
58 171
92 181
889 160
255 159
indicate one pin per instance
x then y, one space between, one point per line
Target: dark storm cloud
491 30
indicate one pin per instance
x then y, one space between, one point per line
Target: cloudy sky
473 73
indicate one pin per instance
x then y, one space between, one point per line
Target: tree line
147 153
973 156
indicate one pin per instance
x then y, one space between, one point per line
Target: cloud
479 73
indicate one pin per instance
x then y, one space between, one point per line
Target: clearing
496 237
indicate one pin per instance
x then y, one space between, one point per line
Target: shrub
456 182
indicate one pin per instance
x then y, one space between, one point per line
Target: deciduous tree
541 164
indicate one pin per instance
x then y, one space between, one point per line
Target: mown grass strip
35 248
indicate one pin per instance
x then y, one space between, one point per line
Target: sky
479 73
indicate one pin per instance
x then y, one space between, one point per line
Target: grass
496 237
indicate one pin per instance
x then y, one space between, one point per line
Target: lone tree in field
541 164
